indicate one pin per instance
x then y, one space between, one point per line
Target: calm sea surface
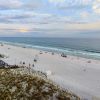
84 47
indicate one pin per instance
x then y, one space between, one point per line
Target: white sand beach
76 74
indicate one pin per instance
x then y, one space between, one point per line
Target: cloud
19 4
56 1
10 4
23 30
96 6
51 17
84 14
86 2
52 27
50 30
33 4
71 4
23 17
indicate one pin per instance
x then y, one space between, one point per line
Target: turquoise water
83 47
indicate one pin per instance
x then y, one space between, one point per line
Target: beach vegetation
2 56
16 84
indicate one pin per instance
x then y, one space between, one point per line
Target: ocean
82 47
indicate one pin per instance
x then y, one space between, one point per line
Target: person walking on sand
20 62
36 58
29 64
33 65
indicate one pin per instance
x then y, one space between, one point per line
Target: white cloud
23 16
56 1
86 2
84 14
71 4
96 6
19 4
81 2
51 29
9 4
33 4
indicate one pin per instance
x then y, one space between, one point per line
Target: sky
50 18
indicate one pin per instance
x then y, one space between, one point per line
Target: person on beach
36 58
29 64
20 62
23 63
33 65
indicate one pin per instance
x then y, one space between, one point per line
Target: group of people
23 63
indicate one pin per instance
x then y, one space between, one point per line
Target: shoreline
72 73
70 52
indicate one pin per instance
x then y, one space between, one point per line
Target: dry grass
16 85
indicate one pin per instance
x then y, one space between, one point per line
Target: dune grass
15 85
2 56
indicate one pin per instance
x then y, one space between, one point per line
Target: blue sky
50 18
